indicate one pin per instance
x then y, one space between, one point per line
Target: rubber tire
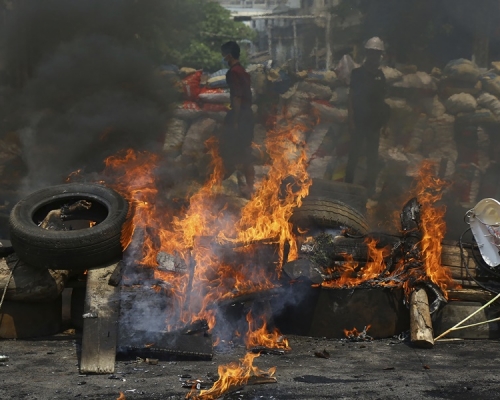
74 249
326 213
353 195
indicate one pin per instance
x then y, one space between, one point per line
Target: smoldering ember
249 199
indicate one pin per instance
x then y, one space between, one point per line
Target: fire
202 231
350 276
266 217
429 190
122 397
231 376
354 333
260 337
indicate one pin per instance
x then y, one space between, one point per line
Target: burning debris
259 340
388 261
234 376
356 336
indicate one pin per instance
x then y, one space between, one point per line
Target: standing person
368 113
237 134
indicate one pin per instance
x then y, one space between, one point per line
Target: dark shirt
239 82
368 90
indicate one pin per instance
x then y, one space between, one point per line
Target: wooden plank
100 324
470 294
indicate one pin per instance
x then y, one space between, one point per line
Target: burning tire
325 213
348 193
92 237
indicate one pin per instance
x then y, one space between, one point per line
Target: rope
8 282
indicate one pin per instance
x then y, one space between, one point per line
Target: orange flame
429 190
122 397
350 276
231 376
197 232
266 217
257 337
354 333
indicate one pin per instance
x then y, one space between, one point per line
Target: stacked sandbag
418 80
204 103
194 142
319 93
460 76
174 137
490 102
461 103
442 147
433 107
392 75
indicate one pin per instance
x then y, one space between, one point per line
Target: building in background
303 32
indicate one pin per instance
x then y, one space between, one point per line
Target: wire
464 264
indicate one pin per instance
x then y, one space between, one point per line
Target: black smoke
82 84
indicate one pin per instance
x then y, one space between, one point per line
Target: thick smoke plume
88 88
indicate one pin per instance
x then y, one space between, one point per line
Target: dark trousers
370 136
235 146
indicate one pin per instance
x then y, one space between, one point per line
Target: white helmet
375 43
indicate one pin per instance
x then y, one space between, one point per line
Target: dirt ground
385 369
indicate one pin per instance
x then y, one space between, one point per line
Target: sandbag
315 91
328 112
417 134
175 135
433 107
214 95
443 129
189 110
495 65
340 96
217 79
214 107
418 80
460 103
392 75
191 86
448 88
344 69
258 78
486 100
297 104
197 134
400 113
185 71
322 77
491 83
398 105
447 155
218 116
462 70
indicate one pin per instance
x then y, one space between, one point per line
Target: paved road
48 369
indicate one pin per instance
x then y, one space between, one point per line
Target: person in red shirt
236 138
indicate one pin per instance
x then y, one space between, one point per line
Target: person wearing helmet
368 113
